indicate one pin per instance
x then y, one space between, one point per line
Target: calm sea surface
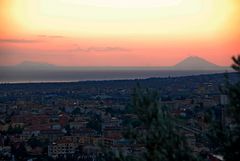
68 76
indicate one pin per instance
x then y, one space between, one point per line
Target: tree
76 111
95 123
232 141
34 142
159 133
14 130
19 151
226 139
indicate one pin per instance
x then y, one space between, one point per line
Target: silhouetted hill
43 72
196 63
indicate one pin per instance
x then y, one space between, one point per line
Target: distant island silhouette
196 63
189 63
29 71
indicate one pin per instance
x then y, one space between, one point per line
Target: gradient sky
118 32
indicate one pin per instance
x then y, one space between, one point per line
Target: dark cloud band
19 41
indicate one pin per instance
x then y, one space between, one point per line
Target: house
61 148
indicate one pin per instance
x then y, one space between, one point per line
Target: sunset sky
118 32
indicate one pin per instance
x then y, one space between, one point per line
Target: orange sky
118 33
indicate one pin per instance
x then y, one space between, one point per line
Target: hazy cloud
98 49
19 41
51 36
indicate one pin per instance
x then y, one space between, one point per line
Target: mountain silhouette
189 63
28 71
196 63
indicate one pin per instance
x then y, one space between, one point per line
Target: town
53 121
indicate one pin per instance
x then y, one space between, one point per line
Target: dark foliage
225 139
157 132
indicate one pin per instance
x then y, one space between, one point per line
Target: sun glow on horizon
126 3
164 18
118 32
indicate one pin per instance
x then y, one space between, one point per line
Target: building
62 148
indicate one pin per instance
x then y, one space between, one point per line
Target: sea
92 75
